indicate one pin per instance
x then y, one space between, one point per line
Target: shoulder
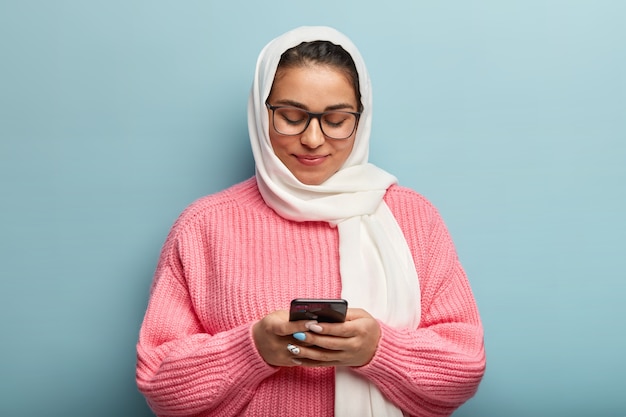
413 212
230 202
241 193
402 199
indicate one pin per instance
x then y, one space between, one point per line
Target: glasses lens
294 121
338 124
290 120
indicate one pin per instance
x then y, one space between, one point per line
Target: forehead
313 84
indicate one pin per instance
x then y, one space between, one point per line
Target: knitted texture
229 260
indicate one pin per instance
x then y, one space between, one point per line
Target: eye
336 119
292 116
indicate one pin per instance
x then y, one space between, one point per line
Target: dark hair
326 53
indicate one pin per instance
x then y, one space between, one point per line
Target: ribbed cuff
391 350
241 356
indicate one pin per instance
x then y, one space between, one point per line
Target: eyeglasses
292 121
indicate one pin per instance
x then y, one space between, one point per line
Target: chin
311 180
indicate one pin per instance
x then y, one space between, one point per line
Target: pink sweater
230 259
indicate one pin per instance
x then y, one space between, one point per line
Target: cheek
344 154
345 148
281 149
274 140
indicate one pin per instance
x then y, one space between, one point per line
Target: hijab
376 266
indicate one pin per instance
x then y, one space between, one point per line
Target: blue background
510 116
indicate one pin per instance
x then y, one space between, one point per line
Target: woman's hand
352 343
273 333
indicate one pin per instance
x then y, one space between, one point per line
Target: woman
317 220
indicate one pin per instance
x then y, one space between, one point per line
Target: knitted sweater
229 260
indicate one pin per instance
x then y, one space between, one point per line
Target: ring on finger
293 349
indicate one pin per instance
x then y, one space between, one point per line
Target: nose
313 136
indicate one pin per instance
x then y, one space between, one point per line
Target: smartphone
328 311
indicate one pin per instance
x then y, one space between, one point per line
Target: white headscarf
377 270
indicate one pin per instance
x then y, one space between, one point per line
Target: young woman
316 221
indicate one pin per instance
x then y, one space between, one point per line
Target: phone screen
322 310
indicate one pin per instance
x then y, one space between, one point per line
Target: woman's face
311 156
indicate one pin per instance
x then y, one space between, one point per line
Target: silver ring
293 349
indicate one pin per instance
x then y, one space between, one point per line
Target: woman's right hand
273 333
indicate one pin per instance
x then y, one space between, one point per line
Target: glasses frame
312 115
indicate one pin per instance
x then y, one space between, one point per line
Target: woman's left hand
352 343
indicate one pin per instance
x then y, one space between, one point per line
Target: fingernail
314 327
297 362
293 349
299 336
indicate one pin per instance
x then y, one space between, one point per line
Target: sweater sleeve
181 369
432 370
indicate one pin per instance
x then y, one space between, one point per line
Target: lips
311 160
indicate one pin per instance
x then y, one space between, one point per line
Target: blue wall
509 115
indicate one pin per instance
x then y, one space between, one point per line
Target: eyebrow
338 106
